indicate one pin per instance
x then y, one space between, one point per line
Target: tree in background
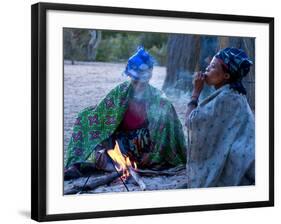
93 44
182 60
80 44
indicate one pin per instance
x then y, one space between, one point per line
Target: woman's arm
198 84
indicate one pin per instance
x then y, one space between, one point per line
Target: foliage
75 43
115 46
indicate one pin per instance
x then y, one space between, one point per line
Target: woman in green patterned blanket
137 116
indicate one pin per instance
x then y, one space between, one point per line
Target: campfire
125 168
123 164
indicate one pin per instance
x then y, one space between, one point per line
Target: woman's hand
198 84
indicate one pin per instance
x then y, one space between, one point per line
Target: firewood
137 178
95 182
92 183
181 185
170 172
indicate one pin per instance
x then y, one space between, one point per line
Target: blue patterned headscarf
237 64
139 66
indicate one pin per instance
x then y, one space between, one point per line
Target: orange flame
121 160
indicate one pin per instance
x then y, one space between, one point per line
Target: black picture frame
39 110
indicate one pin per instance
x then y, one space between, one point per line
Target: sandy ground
85 84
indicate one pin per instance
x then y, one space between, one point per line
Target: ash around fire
105 182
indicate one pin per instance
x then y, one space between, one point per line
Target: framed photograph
141 111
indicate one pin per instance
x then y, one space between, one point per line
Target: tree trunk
93 44
186 55
183 56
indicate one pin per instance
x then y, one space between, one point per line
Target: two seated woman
220 148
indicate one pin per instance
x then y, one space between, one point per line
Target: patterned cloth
221 141
134 143
237 64
96 124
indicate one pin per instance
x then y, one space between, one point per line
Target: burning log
124 164
92 183
137 178
170 172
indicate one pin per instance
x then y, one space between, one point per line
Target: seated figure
137 116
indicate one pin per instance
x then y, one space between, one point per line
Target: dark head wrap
237 64
139 66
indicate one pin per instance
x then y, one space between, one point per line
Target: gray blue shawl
221 141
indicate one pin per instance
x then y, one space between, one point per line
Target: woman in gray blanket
221 128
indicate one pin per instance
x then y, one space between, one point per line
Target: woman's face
139 86
215 75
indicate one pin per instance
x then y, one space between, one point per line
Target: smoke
183 86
